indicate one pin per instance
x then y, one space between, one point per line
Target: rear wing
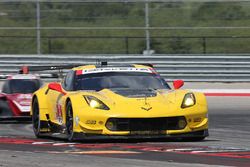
50 71
27 69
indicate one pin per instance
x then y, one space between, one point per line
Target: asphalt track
227 145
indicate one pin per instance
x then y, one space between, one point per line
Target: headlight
93 102
188 101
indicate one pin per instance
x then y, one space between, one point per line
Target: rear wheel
36 118
69 122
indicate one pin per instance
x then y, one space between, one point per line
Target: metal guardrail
207 68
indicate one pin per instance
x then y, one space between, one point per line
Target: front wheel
36 118
69 122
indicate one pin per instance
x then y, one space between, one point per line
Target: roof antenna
97 62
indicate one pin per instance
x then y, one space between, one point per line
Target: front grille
145 124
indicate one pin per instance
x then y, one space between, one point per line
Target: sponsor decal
91 122
22 101
23 106
24 96
58 110
59 113
115 69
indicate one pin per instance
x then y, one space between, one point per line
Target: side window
6 88
68 81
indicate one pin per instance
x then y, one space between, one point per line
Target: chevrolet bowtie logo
146 108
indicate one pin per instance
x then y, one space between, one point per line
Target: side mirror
57 87
178 84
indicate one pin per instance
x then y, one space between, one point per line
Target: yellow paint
165 104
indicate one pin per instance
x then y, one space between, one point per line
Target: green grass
230 14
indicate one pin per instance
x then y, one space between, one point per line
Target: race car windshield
120 80
24 85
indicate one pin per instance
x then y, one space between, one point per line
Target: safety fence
189 67
161 44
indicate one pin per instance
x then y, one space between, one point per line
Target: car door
56 99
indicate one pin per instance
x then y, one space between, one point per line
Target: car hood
124 101
135 93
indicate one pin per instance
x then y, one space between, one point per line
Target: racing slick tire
36 119
69 122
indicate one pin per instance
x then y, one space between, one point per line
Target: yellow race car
122 101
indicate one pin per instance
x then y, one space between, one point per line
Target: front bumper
196 134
